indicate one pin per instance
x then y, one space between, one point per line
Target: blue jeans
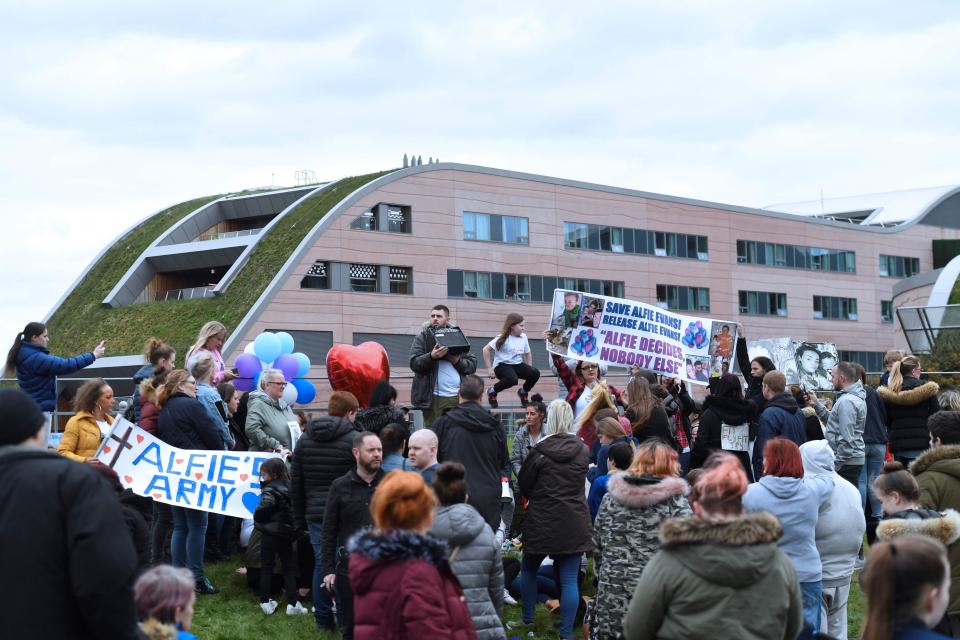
906 457
568 566
322 602
812 593
189 535
872 464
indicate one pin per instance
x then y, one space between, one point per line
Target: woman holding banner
512 360
86 430
185 424
581 382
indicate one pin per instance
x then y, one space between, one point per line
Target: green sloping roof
81 320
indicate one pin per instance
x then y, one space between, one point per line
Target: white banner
224 482
623 333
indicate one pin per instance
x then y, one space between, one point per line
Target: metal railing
227 234
186 294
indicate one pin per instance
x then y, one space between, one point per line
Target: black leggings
162 527
509 374
270 546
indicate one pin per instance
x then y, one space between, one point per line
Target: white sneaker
296 610
268 607
508 599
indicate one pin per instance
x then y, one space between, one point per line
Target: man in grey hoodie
845 423
839 533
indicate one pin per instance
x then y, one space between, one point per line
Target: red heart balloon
357 369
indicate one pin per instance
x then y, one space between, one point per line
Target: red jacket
149 414
403 589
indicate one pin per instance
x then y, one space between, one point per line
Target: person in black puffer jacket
726 406
909 402
274 519
381 410
323 454
185 423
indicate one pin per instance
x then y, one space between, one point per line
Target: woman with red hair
718 574
403 587
795 500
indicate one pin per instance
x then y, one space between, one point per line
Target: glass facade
795 257
577 235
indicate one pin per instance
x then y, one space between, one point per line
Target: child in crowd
274 519
512 360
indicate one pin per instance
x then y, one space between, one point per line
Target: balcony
186 294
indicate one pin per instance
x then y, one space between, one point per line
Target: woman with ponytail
36 368
719 573
403 587
908 402
160 357
906 582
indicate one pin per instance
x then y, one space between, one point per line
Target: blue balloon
267 347
286 342
306 392
304 364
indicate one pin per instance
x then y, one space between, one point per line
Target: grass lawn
235 614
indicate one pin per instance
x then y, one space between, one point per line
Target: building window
872 361
832 308
899 266
490 227
577 235
886 310
679 298
522 287
394 218
772 254
763 303
316 277
363 277
399 280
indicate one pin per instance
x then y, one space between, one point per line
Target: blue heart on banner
251 500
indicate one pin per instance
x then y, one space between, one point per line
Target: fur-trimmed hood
153 629
735 553
948 453
371 550
945 529
910 394
750 529
637 492
808 411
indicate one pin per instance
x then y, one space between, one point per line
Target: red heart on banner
128 479
357 369
179 460
243 477
139 438
106 449
158 495
198 475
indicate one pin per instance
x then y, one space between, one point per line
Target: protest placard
619 332
224 482
802 362
734 437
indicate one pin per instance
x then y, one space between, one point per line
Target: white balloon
249 348
290 394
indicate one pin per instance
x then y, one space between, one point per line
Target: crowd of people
383 531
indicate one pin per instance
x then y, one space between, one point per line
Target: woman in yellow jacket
84 431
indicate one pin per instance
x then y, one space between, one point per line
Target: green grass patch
81 321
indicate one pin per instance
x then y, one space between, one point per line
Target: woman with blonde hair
557 521
908 402
627 530
85 431
403 587
645 412
512 360
211 338
586 428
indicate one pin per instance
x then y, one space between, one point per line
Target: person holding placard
271 425
512 361
580 382
724 409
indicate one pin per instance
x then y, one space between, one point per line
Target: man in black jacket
348 511
322 455
64 546
472 436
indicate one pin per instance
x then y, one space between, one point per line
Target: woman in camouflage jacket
626 532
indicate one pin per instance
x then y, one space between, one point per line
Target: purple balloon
243 384
248 365
289 364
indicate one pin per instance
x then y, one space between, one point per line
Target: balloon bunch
275 351
585 343
695 336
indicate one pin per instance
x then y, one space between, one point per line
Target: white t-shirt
583 401
448 380
512 350
105 428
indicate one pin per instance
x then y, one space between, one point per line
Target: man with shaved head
422 452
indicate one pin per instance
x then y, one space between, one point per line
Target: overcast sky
113 110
